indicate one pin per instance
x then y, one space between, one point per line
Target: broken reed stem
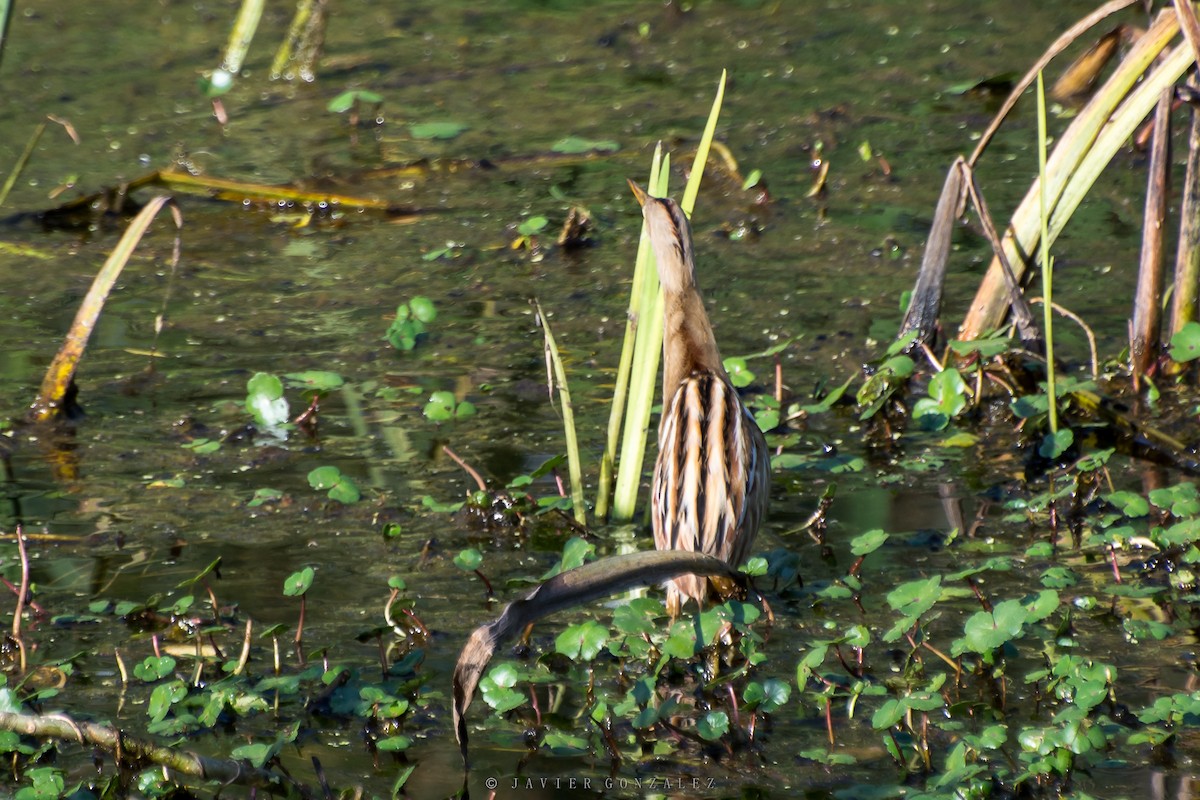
1147 309
132 750
22 160
574 587
1186 294
297 55
574 464
242 34
924 307
291 42
1022 316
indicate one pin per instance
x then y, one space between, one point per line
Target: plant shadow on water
959 625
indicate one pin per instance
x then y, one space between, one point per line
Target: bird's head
671 238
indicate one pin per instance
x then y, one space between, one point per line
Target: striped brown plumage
712 475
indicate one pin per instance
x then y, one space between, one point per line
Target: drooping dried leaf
1079 78
575 587
1080 154
61 373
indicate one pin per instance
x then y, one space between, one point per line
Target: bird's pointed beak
637 192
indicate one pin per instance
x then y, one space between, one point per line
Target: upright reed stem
1047 262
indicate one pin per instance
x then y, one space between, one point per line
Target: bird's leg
674 605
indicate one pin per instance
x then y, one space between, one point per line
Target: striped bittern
712 475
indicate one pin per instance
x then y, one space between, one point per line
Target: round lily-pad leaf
422 308
468 559
324 477
1055 444
713 725
298 582
345 491
440 406
1185 344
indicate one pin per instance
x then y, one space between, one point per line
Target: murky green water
257 292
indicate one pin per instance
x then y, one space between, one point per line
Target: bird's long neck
688 342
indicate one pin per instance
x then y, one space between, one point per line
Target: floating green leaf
423 309
713 725
1031 405
756 567
914 598
393 744
163 697
264 495
317 379
436 130
1185 344
497 691
438 507
265 401
947 399
575 145
986 348
339 486
352 97
410 322
469 559
575 553
298 582
442 406
1130 504
582 642
1182 499
739 374
203 447
637 617
533 226
1055 444
45 783
868 542
154 668
768 696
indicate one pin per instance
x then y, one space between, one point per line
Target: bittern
712 475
